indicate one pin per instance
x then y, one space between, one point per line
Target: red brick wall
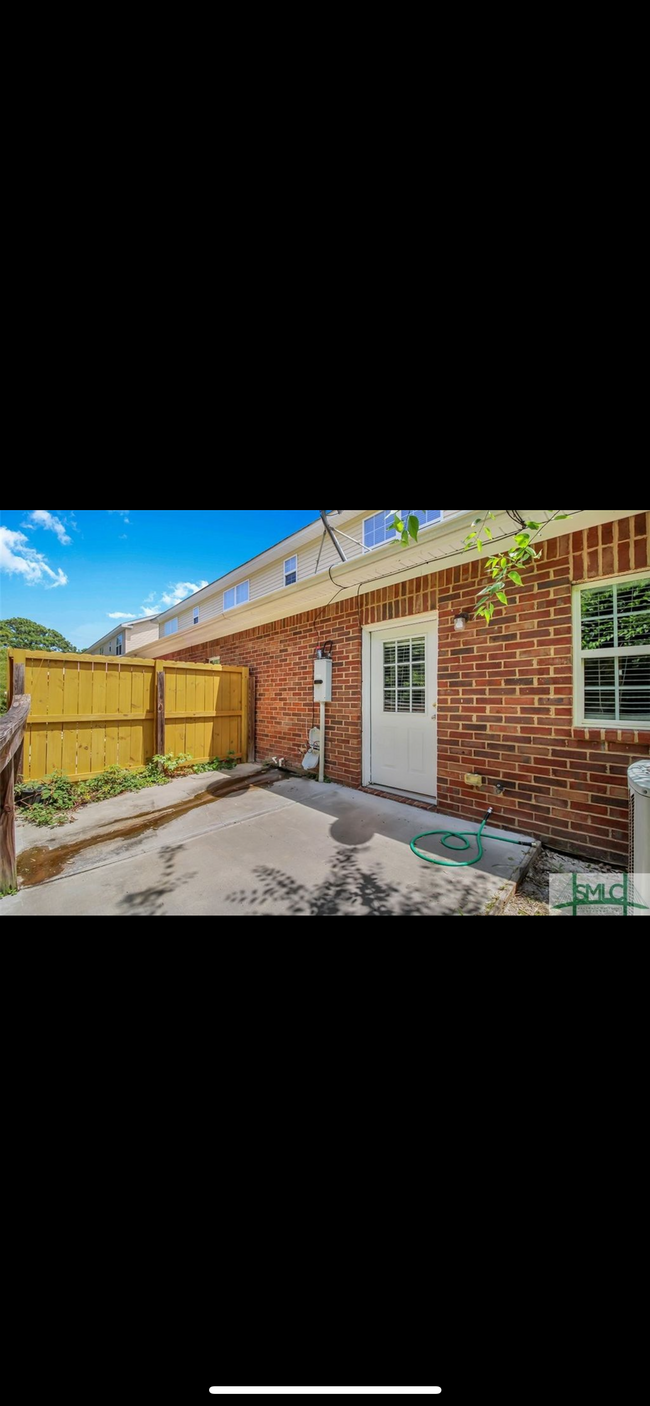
505 693
506 702
281 656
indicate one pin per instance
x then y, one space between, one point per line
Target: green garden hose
461 835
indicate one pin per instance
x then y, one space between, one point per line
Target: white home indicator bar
325 1390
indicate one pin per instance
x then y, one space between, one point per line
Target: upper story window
612 652
171 626
291 571
119 644
377 530
195 615
237 595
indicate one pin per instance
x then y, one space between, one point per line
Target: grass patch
53 801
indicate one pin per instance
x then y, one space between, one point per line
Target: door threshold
412 795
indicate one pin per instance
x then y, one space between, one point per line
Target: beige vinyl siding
209 608
309 555
270 578
142 634
138 634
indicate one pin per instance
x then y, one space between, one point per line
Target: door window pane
405 676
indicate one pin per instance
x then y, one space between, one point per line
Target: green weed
53 801
168 765
217 764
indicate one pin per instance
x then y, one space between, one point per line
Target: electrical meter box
322 681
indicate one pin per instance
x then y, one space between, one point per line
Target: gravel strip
532 899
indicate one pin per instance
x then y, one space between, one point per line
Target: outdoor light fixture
460 621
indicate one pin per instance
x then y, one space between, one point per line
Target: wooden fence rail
89 712
12 731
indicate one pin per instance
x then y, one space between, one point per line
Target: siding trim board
505 693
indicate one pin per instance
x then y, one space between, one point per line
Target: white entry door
404 708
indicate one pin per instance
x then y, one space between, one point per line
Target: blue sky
74 569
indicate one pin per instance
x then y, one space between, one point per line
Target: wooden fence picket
91 711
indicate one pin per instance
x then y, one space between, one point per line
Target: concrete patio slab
89 819
296 848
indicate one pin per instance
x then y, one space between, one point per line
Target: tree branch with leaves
504 567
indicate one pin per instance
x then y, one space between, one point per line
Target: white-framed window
237 595
377 529
195 615
171 626
291 571
405 676
119 644
611 621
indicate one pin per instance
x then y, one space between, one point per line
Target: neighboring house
128 638
548 705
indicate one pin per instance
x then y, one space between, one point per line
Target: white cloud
172 596
123 512
19 559
40 517
175 594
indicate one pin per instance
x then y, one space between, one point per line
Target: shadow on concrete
150 902
348 889
357 817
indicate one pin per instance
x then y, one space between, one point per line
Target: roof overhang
440 546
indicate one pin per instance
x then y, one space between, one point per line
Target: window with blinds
614 651
405 676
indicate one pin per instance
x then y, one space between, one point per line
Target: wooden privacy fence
89 712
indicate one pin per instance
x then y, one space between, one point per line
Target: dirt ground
532 899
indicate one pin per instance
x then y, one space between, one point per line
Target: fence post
159 704
12 730
252 700
18 690
8 872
